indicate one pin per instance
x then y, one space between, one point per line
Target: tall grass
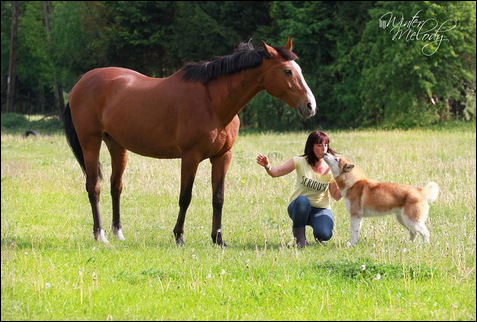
52 269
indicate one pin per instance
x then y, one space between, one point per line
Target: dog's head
338 165
345 173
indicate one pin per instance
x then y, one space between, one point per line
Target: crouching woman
310 203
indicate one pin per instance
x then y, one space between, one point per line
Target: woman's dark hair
316 137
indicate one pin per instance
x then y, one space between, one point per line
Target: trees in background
12 58
369 63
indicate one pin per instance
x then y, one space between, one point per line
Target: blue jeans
321 219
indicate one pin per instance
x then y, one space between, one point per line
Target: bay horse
192 115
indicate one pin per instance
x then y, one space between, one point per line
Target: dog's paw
348 244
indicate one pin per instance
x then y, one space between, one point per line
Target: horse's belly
154 149
159 153
142 144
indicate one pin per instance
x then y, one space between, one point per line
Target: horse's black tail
73 141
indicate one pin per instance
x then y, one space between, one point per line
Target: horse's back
100 84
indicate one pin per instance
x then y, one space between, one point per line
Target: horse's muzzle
307 110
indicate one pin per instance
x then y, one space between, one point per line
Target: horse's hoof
118 232
220 242
101 237
217 238
179 239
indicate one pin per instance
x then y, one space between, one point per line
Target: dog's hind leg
408 225
422 229
414 228
400 220
421 226
412 235
419 212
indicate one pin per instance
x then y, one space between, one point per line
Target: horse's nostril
310 106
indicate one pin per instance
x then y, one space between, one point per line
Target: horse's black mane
245 56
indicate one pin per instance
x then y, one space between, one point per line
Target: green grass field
52 269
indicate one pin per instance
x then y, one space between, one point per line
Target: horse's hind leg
189 166
119 160
91 147
220 166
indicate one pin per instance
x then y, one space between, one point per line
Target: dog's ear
348 167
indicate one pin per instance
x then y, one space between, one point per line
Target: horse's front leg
189 166
220 166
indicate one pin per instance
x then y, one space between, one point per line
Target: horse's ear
289 44
269 49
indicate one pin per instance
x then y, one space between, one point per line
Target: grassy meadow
52 269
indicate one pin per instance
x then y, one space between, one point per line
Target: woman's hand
277 171
262 160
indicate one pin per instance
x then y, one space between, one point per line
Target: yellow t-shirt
311 184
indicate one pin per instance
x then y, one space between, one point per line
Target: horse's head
284 80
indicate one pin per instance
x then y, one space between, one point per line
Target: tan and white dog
369 198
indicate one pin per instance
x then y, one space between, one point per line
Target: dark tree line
369 63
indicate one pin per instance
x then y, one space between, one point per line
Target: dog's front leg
355 222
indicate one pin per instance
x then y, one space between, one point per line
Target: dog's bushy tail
431 191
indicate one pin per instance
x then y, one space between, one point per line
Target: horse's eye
287 72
